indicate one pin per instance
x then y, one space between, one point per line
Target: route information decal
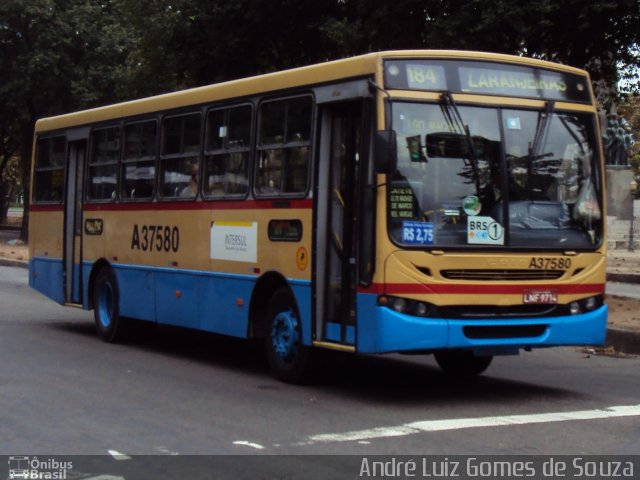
484 231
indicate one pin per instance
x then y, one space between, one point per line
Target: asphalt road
177 392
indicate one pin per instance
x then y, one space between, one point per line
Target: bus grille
485 312
507 331
488 275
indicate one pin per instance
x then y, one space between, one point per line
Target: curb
4 262
623 277
623 341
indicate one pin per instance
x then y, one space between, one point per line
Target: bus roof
353 67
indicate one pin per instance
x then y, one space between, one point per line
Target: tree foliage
185 43
58 56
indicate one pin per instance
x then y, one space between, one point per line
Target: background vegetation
63 55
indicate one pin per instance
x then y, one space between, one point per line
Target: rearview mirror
457 145
447 145
385 151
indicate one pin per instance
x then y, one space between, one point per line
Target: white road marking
119 455
105 477
461 423
166 451
244 443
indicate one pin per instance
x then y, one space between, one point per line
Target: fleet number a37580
155 238
550 263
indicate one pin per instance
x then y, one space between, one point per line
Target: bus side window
284 146
138 162
103 164
180 156
49 170
227 152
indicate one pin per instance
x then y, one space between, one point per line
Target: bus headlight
400 305
585 305
422 309
407 306
591 303
574 308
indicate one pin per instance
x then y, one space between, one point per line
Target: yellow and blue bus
441 202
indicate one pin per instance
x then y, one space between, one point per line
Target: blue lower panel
137 293
176 300
381 329
224 304
215 302
212 302
45 276
334 333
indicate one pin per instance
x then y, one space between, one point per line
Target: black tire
462 363
288 358
106 307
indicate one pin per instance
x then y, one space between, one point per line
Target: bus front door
336 262
72 263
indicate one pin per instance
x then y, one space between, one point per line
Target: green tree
8 147
58 56
186 43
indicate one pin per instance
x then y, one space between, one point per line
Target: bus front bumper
381 329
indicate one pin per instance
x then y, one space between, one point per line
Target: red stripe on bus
232 205
447 289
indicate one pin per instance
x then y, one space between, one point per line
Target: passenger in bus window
191 190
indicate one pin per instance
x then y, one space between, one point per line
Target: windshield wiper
538 140
541 132
456 124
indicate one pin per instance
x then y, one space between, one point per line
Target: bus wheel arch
265 288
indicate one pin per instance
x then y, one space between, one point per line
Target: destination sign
490 78
521 82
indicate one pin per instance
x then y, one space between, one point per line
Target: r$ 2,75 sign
418 233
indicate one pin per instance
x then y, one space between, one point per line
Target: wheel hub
105 305
284 335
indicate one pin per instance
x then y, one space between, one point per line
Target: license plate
540 296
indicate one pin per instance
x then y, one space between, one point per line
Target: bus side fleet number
155 238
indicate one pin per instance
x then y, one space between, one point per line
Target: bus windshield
494 177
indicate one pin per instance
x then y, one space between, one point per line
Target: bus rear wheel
288 357
106 311
462 363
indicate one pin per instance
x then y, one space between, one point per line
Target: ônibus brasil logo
34 469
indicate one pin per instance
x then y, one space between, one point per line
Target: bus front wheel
288 357
462 363
106 311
